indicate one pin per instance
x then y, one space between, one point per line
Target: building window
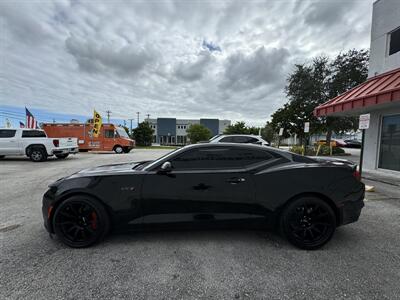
394 42
389 157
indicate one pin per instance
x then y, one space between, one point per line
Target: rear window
302 159
7 133
33 134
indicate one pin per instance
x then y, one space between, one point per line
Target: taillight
56 143
49 210
357 175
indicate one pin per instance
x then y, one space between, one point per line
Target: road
361 262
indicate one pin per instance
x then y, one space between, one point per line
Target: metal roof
377 90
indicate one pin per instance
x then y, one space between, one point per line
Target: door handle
236 180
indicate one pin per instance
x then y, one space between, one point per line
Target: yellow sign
97 122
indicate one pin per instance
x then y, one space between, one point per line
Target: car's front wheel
118 149
80 221
308 222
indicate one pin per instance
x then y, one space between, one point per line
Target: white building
379 95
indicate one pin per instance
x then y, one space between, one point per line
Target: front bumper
47 209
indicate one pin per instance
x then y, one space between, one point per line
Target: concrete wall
385 18
372 137
222 125
212 124
166 126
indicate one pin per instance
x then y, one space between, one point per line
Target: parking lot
361 262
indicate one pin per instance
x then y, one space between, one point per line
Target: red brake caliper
94 220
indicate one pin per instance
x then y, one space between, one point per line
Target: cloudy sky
185 59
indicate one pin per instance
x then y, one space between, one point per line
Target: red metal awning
381 89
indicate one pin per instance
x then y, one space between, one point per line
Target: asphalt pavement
361 262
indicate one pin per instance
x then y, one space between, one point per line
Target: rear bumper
351 210
66 151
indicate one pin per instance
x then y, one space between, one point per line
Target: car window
109 133
252 140
222 158
240 139
7 133
33 134
227 139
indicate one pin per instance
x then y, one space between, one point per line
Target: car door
9 144
205 183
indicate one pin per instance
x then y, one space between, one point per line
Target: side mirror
166 167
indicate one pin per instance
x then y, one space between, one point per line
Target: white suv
239 138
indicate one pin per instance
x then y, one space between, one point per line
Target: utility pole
131 126
138 114
148 117
108 115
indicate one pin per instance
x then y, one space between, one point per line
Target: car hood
108 169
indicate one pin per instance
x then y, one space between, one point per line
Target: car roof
239 134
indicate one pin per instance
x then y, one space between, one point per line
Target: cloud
219 59
191 71
102 58
261 67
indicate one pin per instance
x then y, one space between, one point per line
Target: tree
197 133
268 133
143 134
313 84
241 128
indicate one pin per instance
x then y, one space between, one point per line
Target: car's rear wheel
62 156
308 222
81 221
37 154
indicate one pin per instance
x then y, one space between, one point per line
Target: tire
62 156
2 156
308 222
127 150
81 221
118 149
37 154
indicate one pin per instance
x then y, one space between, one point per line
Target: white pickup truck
35 144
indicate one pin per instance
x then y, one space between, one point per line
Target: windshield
122 133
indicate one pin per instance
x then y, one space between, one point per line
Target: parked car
239 139
111 137
353 143
203 184
335 143
35 144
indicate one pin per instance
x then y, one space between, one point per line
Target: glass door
389 156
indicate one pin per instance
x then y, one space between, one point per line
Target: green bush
312 150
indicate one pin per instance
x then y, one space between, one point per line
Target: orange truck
111 137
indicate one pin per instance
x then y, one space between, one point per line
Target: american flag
30 119
21 125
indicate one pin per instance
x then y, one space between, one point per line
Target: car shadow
24 158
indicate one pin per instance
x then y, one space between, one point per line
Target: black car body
203 182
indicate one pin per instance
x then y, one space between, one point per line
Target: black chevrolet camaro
213 184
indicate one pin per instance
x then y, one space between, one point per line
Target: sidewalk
380 176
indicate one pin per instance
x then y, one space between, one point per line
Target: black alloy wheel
308 223
80 221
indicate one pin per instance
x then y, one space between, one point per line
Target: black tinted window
33 134
109 133
394 42
242 139
227 139
7 133
252 140
223 158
